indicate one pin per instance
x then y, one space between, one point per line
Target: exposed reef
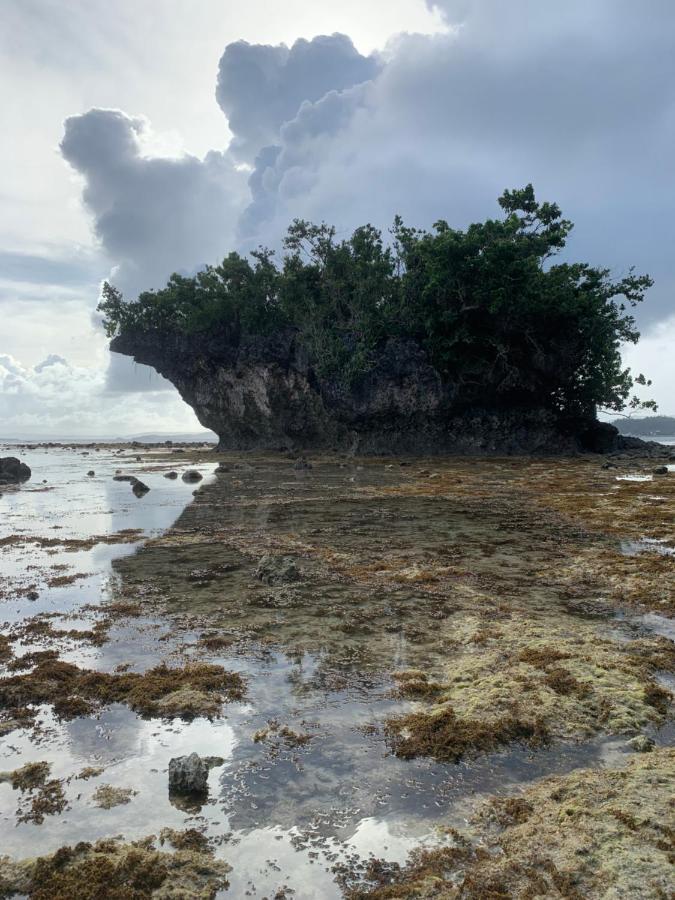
475 653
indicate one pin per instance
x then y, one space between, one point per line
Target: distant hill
157 437
150 438
651 426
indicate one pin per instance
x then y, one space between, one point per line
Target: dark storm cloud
155 215
577 98
260 86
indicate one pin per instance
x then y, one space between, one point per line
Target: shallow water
316 654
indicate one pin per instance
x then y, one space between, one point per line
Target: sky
144 138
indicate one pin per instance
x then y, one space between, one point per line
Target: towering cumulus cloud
261 87
153 216
577 99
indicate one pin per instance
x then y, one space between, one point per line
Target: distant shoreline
153 438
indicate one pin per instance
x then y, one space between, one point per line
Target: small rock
130 478
188 774
33 595
301 464
192 475
641 744
221 469
277 570
171 475
13 471
661 470
139 488
609 465
91 473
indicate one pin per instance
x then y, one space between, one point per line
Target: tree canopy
500 320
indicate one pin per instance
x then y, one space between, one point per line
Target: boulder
191 476
139 488
661 470
13 471
171 475
188 774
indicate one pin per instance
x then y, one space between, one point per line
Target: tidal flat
412 678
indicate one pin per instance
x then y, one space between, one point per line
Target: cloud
578 100
58 398
152 215
654 356
71 270
261 86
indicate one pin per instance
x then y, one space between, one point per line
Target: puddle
273 806
647 545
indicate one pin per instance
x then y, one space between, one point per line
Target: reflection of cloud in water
73 506
134 753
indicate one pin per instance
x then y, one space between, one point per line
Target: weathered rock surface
262 393
139 488
188 774
274 570
13 471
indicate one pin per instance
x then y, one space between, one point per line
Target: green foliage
501 323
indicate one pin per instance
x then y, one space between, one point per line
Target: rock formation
262 393
13 471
